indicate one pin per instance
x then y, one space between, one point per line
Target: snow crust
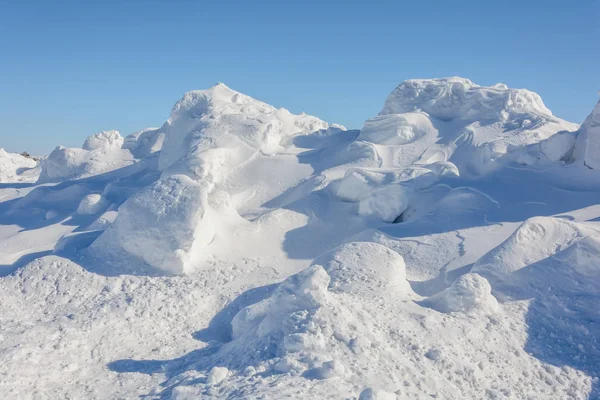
449 249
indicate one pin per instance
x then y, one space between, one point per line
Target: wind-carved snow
209 134
449 249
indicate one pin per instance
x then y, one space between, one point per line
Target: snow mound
161 225
103 140
364 268
208 135
475 127
13 167
101 153
471 293
536 239
92 204
372 394
220 117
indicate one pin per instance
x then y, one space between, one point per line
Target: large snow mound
15 167
220 117
478 128
208 135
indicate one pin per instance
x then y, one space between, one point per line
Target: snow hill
449 249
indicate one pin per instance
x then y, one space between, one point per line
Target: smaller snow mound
103 140
372 394
471 293
101 153
92 204
13 165
536 239
364 268
303 291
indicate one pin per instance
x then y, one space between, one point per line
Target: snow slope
449 249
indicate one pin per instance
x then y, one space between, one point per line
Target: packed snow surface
449 249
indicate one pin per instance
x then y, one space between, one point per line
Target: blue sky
72 68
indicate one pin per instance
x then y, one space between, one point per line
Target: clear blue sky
72 68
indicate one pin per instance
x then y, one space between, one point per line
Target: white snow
469 293
450 249
16 168
589 140
103 140
92 204
101 153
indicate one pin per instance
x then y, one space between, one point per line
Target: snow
16 168
208 134
92 204
589 139
449 249
101 153
469 293
103 140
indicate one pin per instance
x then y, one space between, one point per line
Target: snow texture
450 249
16 168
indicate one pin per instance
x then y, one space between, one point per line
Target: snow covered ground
449 249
